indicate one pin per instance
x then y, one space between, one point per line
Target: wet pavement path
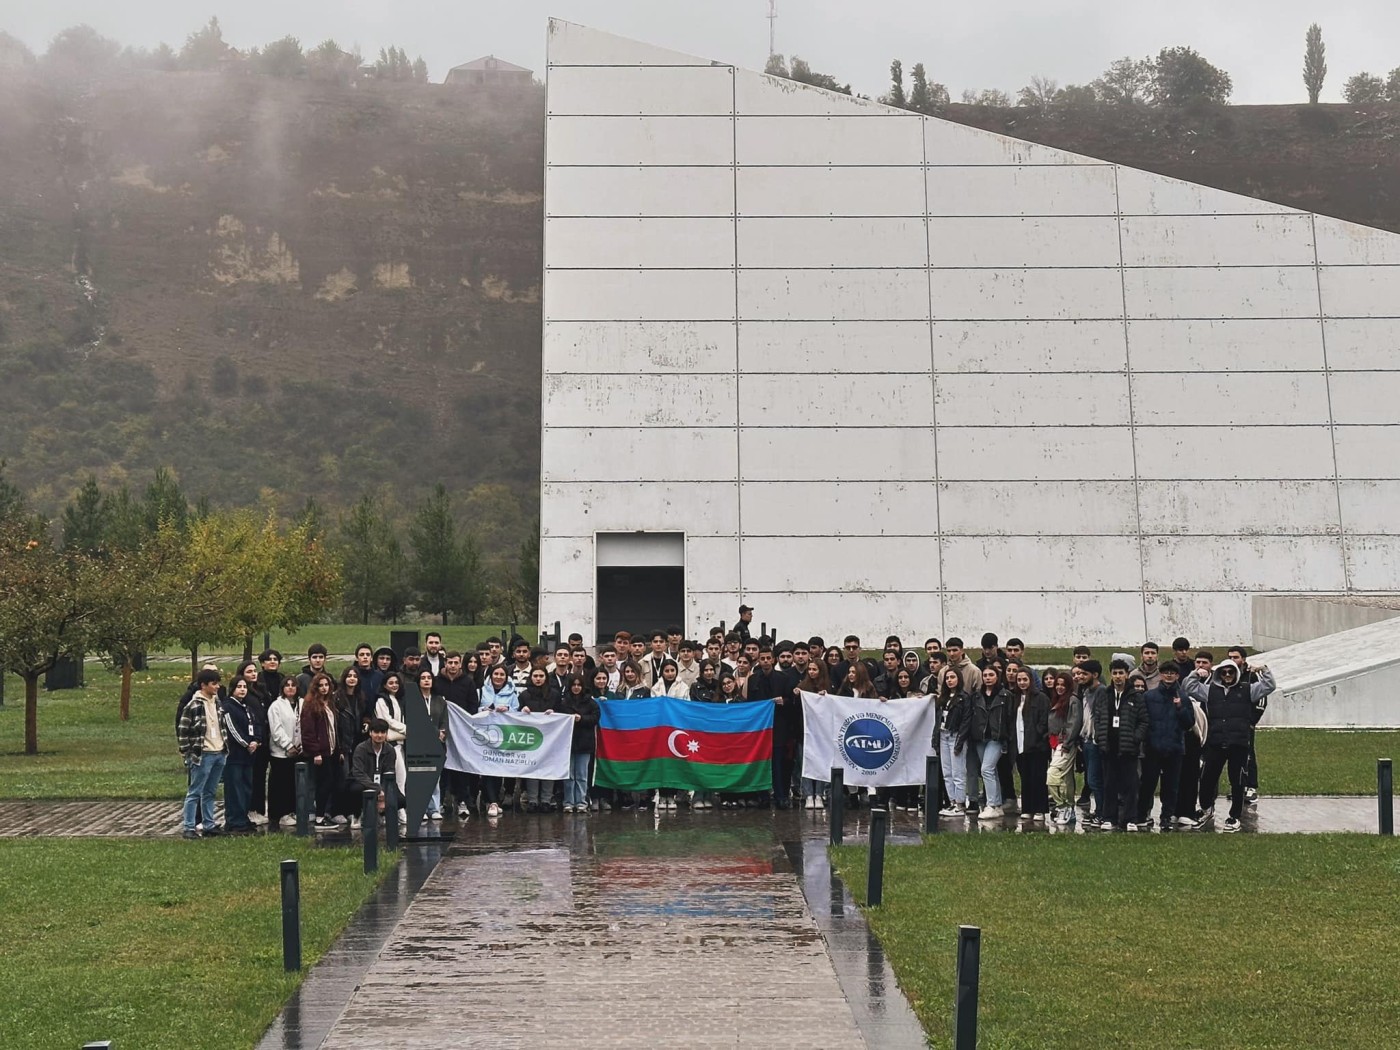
628 930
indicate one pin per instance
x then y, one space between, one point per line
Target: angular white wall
928 379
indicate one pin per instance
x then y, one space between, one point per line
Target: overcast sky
964 45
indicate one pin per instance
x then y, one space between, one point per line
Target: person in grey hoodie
1233 705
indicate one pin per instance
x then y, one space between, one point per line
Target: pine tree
896 97
437 555
85 522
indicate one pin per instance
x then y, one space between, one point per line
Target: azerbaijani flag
663 742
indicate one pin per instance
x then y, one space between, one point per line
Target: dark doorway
640 598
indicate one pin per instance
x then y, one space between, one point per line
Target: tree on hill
393 64
927 98
1182 77
803 73
1392 85
326 61
896 97
13 53
446 563
1038 96
364 544
1314 63
1364 89
1126 82
86 521
282 58
204 48
81 49
987 98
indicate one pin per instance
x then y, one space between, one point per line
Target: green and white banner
508 744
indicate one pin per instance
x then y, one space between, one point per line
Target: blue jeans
238 793
576 787
989 753
1093 775
204 780
954 768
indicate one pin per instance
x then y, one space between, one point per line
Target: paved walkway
115 819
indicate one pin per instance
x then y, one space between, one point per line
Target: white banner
877 743
507 744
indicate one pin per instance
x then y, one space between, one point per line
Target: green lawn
1148 941
1321 761
154 943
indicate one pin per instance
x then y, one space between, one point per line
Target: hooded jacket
491 699
1231 711
1132 720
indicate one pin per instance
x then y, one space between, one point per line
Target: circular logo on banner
869 742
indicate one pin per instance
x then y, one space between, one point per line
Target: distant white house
489 72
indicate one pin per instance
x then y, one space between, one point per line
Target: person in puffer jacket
1169 715
1231 704
1120 729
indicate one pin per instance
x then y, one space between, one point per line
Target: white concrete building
871 371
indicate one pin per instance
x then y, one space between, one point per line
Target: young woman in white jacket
284 749
389 707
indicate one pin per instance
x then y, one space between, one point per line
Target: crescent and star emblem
691 746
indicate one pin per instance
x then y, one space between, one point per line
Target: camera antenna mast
772 28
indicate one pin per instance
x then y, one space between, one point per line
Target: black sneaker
216 830
188 834
1231 824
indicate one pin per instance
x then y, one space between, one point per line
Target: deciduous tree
1183 77
1364 89
1314 62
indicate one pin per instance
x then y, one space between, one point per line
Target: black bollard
369 829
291 917
875 874
965 1006
1384 796
391 815
933 773
837 807
303 798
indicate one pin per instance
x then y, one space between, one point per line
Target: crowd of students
1154 730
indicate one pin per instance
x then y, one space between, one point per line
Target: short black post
369 829
875 875
763 629
391 815
1384 796
933 774
303 798
291 916
837 806
965 1006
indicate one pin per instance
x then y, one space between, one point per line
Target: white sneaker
1231 824
403 816
354 823
493 810
1251 795
289 821
338 821
821 802
990 813
950 811
256 818
463 813
435 815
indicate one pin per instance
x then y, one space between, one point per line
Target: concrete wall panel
1247 563
1055 189
1215 399
1225 453
1186 507
844 454
880 508
652 244
1041 563
1349 244
1232 345
1218 240
637 192
641 295
1368 506
835 614
1037 508
1360 291
1022 241
1009 295
575 45
799 243
574 611
1368 452
571 454
1143 193
1366 397
616 141
1205 617
1374 562
570 559
967 399
583 508
624 348
1209 292
830 191
1094 617
712 564
832 295
821 348
880 564
588 91
785 142
650 401
1363 343
866 401
1034 453
1029 346
958 145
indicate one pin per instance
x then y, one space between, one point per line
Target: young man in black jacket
1169 717
1233 705
1120 729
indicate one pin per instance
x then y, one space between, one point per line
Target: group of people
1154 728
